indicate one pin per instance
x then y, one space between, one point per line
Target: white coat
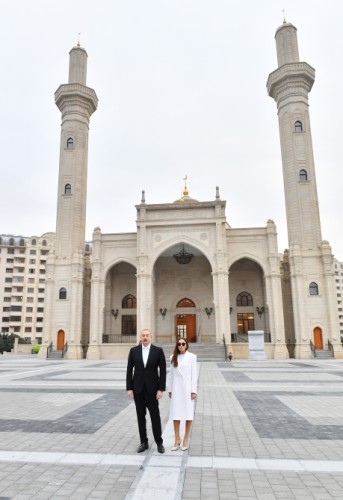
182 382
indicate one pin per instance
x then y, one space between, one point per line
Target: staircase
55 355
204 352
323 354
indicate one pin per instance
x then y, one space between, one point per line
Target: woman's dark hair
173 361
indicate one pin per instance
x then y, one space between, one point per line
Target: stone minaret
65 268
311 272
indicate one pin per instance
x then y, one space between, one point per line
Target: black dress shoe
142 447
160 448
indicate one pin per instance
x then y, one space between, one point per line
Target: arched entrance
60 340
186 323
318 338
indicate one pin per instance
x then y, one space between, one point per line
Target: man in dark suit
146 382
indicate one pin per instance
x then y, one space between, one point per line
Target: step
204 352
323 353
55 355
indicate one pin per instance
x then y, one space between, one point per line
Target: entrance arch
318 338
60 340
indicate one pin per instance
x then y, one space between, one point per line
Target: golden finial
284 18
185 190
78 40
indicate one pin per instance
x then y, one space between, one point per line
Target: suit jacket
152 376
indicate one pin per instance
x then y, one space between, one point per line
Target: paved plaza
262 430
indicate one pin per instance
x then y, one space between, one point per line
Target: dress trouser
144 400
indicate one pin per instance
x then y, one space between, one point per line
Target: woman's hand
193 395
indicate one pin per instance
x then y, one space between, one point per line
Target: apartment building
22 284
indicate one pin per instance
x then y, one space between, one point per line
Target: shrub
35 349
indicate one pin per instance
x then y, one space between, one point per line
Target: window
29 299
15 318
34 242
8 289
40 290
70 143
31 280
9 261
129 302
28 329
22 243
63 293
11 242
28 319
9 270
8 280
7 299
298 126
128 325
302 175
67 189
32 261
39 320
40 309
16 308
185 303
244 299
313 288
44 243
40 300
32 271
10 250
6 309
29 309
33 252
30 290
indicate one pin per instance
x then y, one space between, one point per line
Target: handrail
65 349
110 338
330 347
225 346
313 349
48 350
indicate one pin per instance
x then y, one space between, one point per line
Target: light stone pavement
262 430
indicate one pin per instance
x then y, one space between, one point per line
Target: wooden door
318 338
60 340
186 327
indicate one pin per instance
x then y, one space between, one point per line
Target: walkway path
262 430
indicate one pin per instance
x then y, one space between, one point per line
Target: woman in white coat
182 391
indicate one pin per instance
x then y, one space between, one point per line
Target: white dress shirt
145 354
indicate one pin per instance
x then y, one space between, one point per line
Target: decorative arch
313 288
70 143
185 302
67 189
62 295
184 240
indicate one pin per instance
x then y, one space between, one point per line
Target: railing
65 349
118 339
330 347
244 337
225 347
48 349
313 349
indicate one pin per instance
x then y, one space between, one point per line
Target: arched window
303 175
22 242
313 288
70 143
244 299
129 302
67 189
185 303
298 126
63 293
11 242
44 243
33 242
87 247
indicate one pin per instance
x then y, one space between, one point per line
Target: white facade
186 272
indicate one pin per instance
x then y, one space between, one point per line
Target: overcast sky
182 91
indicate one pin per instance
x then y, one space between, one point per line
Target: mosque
186 272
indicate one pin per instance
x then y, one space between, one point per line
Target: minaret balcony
299 75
